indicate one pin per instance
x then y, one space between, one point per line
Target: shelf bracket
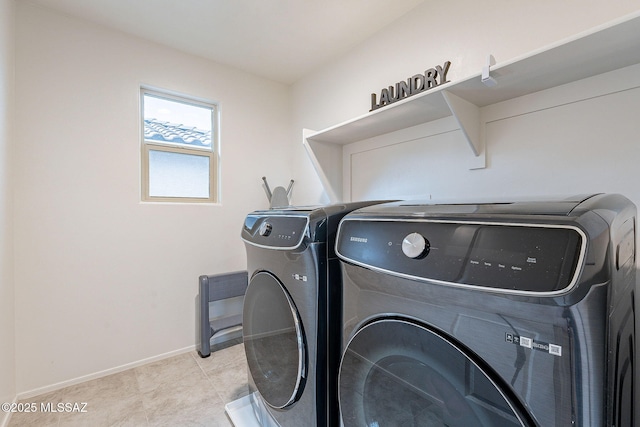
468 117
325 154
487 79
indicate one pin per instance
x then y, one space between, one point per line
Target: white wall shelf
602 49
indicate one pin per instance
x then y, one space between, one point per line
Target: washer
501 314
292 314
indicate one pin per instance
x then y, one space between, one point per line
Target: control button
415 246
265 229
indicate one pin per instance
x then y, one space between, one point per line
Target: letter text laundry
412 86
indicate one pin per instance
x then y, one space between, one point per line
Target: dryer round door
398 373
274 341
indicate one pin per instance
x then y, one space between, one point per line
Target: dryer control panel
510 257
276 232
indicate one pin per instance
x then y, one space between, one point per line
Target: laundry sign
412 86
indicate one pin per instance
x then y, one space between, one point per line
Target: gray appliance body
292 314
511 314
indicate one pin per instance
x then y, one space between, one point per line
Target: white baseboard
100 374
7 415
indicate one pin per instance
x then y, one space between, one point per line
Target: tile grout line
141 395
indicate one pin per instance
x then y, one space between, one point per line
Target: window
179 148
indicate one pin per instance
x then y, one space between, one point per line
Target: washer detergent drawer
274 341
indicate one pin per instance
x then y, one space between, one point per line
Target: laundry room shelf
605 48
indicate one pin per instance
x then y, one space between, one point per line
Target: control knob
265 229
415 246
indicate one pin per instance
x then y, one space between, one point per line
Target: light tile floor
184 390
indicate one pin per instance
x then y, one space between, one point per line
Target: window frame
149 145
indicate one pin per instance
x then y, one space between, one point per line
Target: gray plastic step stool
215 288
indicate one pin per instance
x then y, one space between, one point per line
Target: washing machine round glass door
274 341
398 373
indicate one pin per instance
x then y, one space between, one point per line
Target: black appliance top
556 207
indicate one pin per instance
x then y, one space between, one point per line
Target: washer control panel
532 258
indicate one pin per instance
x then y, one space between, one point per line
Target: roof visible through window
174 122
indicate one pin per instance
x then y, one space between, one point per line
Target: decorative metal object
279 198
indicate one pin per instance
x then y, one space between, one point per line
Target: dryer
292 314
493 314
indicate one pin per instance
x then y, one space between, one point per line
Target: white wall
464 32
103 280
7 314
578 138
